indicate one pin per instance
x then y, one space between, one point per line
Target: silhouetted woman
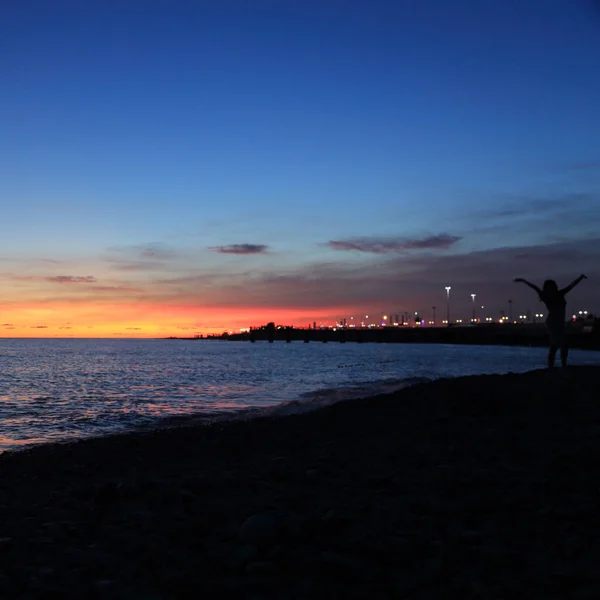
555 302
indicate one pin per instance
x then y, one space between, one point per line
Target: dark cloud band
72 279
241 249
374 245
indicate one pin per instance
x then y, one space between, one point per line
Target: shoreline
477 486
215 418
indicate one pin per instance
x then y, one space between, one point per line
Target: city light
419 318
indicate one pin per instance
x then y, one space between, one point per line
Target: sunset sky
172 168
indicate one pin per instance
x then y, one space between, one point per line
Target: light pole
510 311
473 298
433 309
448 288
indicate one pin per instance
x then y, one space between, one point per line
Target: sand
475 487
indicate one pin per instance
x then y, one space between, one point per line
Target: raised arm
573 284
531 285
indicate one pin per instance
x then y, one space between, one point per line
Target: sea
63 389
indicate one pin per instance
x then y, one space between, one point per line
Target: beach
475 487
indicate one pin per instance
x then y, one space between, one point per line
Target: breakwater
514 335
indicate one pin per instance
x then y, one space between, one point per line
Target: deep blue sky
431 140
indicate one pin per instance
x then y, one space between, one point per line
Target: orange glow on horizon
120 320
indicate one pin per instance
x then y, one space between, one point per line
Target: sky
175 168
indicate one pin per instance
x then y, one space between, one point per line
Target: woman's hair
550 286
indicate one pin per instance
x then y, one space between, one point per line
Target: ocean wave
306 402
327 396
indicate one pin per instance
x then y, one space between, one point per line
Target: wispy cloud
375 245
72 279
117 288
33 261
527 206
142 257
156 251
134 266
152 250
240 249
39 327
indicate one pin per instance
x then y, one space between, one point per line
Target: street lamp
433 309
473 298
448 288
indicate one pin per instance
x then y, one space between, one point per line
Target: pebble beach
472 487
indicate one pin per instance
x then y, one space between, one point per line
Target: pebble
243 554
259 530
263 567
334 559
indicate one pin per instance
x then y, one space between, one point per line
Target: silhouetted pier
502 334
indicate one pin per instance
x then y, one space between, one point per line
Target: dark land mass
475 487
580 335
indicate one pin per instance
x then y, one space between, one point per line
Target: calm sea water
61 389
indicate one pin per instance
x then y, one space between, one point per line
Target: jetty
583 337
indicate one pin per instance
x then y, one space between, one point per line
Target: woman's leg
564 353
551 355
557 340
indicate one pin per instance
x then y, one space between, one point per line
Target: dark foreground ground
479 487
